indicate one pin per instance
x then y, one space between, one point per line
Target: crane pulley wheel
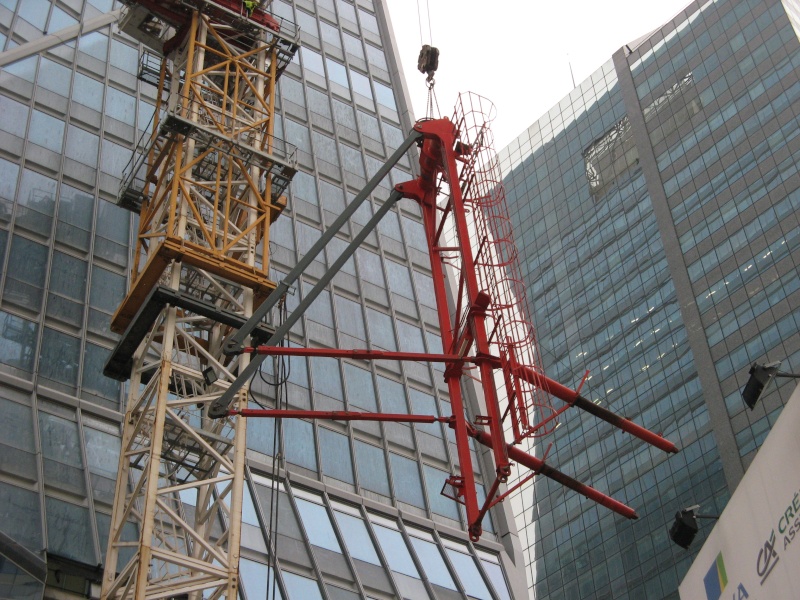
428 60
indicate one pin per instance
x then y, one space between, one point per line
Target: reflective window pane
8 187
395 550
468 573
360 391
431 558
384 95
27 265
114 158
17 583
300 588
35 12
102 454
299 443
20 516
356 536
120 106
337 72
17 451
327 379
94 44
258 581
107 290
17 341
371 464
335 453
46 131
15 116
124 57
495 573
381 330
59 359
317 525
312 61
69 531
94 381
54 77
82 146
405 475
410 337
87 91
350 317
434 481
75 210
67 294
361 84
37 202
61 452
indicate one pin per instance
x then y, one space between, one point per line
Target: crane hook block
428 60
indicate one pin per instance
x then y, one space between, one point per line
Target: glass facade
360 514
656 215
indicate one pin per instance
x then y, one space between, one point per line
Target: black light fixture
209 375
760 376
685 527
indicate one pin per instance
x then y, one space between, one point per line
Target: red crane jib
468 332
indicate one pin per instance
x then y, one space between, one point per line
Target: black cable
283 366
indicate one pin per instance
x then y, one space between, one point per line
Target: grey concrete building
360 514
656 211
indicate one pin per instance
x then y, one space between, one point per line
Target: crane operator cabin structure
361 473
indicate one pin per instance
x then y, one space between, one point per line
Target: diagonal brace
219 408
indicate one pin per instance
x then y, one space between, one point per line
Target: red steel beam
575 399
424 190
358 354
539 466
536 465
551 386
438 156
336 415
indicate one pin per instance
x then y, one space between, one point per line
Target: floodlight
685 527
760 376
209 376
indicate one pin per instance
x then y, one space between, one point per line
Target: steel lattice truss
207 184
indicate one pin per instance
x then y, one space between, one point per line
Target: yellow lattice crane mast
206 183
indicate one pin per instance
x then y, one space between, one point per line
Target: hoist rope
430 30
419 20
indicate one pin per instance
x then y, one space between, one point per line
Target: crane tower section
206 184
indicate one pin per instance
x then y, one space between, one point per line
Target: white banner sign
754 550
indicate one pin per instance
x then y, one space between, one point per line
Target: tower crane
207 182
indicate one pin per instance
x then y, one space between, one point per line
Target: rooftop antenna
571 74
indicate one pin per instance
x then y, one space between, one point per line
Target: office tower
656 211
359 512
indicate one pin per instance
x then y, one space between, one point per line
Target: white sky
516 53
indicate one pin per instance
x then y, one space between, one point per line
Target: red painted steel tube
336 415
357 354
514 453
539 466
424 191
574 398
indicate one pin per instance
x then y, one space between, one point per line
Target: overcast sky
517 53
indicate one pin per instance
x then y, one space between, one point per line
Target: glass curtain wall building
359 513
657 210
